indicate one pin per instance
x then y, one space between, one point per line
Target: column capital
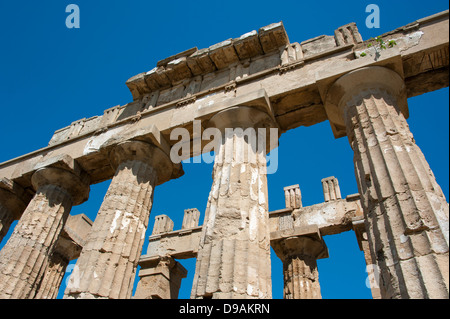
76 185
371 80
299 241
143 152
245 117
13 197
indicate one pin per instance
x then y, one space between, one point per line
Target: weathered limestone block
347 34
299 249
163 224
191 218
317 45
248 45
223 54
331 217
272 37
331 190
200 62
25 257
178 70
180 244
234 251
160 278
107 265
293 196
13 201
405 211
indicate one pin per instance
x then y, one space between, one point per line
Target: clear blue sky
51 76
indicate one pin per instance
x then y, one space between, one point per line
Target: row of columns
405 211
108 261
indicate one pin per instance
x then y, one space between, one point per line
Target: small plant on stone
381 44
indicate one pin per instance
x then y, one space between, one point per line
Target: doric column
299 249
24 258
406 213
160 278
107 265
13 201
67 248
52 278
373 273
234 251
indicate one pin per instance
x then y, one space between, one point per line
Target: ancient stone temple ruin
262 81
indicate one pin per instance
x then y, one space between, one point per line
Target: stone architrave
234 251
405 210
25 257
107 265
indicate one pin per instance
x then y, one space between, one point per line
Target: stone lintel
424 62
62 161
257 99
180 244
329 218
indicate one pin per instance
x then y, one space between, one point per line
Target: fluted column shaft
299 254
234 253
66 249
107 265
51 281
301 278
24 258
405 210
